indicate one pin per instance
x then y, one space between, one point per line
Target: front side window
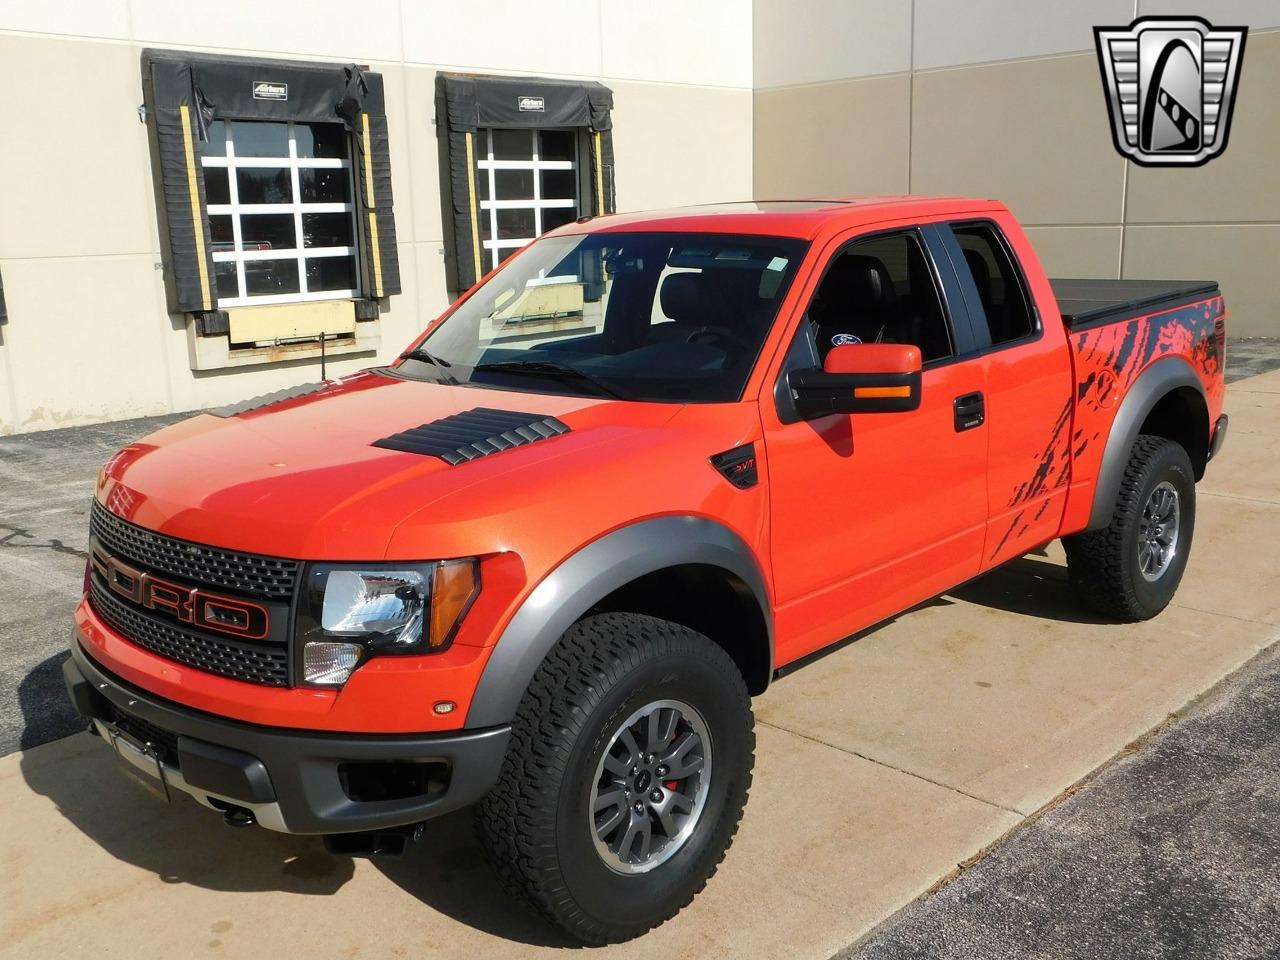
281 212
527 181
643 316
881 290
1000 288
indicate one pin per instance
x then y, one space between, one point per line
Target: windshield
641 316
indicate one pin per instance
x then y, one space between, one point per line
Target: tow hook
374 843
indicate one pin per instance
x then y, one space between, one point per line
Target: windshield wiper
550 368
421 353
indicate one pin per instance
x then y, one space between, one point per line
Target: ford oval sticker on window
266 90
532 105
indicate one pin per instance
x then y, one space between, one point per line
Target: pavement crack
9 541
889 766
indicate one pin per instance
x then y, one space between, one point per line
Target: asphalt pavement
1173 851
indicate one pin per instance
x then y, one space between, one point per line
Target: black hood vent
477 433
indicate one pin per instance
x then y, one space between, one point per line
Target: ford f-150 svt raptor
542 561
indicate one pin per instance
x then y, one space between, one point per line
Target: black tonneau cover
1087 303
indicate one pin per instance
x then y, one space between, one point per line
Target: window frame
300 253
977 312
488 167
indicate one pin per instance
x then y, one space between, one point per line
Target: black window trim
978 317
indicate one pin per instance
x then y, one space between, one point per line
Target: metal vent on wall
474 434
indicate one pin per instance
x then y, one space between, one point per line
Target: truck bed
1088 303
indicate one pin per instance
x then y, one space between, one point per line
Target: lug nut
662 770
639 807
656 796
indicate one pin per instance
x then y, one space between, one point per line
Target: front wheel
625 779
1130 569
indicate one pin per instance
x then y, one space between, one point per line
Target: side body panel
1121 371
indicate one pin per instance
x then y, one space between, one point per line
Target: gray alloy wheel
1158 531
651 786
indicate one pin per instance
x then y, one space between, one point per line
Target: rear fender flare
1152 385
586 578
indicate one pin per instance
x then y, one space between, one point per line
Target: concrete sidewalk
880 768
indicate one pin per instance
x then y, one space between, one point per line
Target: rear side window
1000 287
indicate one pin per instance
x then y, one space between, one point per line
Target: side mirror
860 378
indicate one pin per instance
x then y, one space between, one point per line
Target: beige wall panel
1033 133
432 295
711 46
1241 184
821 40
1242 258
75 170
83 345
91 18
1077 251
833 139
949 33
1230 13
423 166
332 29
554 37
677 145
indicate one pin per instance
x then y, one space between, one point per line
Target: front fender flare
1152 385
587 577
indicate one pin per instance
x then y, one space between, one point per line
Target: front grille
266 578
229 658
162 741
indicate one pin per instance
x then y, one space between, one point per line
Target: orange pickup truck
542 561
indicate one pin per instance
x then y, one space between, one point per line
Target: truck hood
300 477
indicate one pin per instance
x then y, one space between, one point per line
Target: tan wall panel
83 345
1255 13
1033 133
1077 251
821 40
949 33
1242 258
833 139
678 145
422 164
75 170
1244 182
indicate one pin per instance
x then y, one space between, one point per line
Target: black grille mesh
267 578
256 664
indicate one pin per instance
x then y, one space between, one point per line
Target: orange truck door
873 512
1029 384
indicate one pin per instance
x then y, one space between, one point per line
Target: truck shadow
182 842
1031 587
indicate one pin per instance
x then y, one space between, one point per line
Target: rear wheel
1130 569
626 776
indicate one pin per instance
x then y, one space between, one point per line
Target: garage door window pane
326 140
514 184
326 230
264 185
224 275
559 184
222 233
512 144
257 139
272 231
271 276
324 186
216 145
553 218
557 145
217 189
515 225
331 273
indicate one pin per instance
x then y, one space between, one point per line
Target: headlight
348 614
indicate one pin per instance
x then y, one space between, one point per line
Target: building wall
1002 98
88 335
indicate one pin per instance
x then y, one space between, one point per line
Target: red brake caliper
671 784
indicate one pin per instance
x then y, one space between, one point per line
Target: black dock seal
476 433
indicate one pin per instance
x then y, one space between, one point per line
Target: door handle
970 411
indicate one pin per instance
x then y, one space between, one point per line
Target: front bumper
290 780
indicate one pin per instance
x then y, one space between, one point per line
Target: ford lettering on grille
200 608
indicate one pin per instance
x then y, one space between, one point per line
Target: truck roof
801 217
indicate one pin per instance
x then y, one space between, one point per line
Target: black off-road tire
534 824
1103 565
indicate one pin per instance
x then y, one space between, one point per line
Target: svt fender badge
1170 84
